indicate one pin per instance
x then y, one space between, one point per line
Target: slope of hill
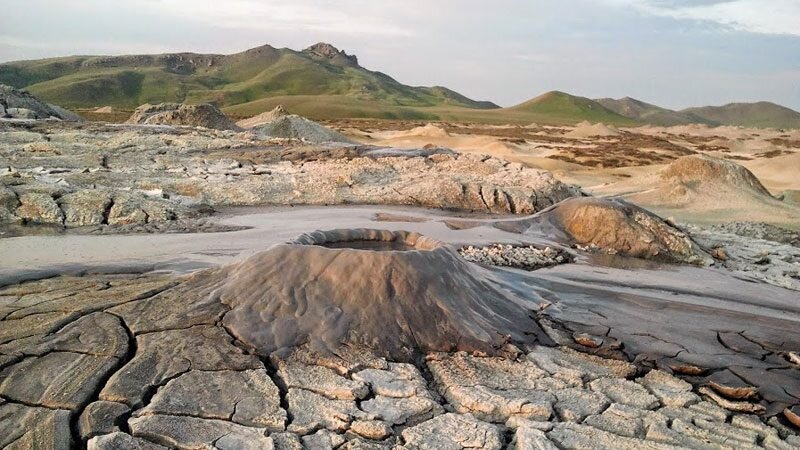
225 80
760 114
569 108
646 112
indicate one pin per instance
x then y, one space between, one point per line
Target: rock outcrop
21 104
165 175
328 51
205 115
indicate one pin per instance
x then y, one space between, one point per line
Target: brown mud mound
614 226
399 293
264 118
694 170
207 116
704 190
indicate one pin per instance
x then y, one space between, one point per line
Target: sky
674 53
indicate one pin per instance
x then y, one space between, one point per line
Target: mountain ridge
324 82
128 81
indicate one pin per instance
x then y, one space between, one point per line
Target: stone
720 432
401 411
574 366
34 324
515 422
620 390
247 397
569 435
401 380
792 414
371 429
286 441
85 208
498 405
461 369
34 428
322 440
311 411
575 404
97 334
321 380
361 444
588 340
701 410
527 438
348 359
670 390
738 406
39 208
620 424
119 441
191 433
101 417
453 432
731 386
62 380
164 355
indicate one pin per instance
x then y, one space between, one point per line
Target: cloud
355 17
756 16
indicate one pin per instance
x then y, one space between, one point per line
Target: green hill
646 112
560 106
225 80
760 114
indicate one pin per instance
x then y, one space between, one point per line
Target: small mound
694 170
327 289
429 130
614 226
177 114
264 118
791 196
296 127
105 110
21 104
586 129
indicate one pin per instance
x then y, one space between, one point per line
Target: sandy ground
606 161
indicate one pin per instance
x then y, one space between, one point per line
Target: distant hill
227 80
760 114
646 112
322 82
569 108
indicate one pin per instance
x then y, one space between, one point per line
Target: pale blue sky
675 53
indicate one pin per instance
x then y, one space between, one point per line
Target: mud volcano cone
398 293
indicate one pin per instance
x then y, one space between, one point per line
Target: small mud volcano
399 293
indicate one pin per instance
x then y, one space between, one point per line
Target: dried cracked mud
159 361
369 339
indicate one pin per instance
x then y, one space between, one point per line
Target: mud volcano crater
399 293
